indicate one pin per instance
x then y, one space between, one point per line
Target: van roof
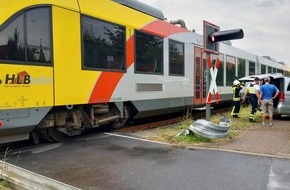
262 76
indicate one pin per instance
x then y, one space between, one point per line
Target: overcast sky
266 23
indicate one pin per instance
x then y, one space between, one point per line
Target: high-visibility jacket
251 88
236 92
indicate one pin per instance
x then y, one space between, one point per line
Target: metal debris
209 129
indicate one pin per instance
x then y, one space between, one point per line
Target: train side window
263 69
270 70
103 45
252 68
241 68
27 37
148 53
230 70
176 58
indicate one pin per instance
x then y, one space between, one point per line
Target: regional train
71 65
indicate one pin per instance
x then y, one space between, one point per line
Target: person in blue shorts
268 92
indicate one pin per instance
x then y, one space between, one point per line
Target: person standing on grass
237 87
266 97
253 94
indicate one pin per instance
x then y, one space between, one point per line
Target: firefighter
237 87
253 94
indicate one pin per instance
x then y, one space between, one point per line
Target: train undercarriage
58 123
64 122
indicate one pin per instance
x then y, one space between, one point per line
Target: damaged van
282 102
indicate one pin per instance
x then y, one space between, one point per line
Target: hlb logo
20 78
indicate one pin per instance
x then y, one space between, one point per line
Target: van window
279 83
288 88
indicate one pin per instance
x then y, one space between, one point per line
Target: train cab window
230 70
148 53
241 68
103 45
176 58
252 68
12 40
38 35
27 38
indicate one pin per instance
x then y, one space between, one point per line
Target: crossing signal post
211 36
210 46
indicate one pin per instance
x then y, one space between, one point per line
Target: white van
282 102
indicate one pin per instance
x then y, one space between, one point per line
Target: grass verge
4 185
169 133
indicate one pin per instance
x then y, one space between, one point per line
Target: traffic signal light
212 35
226 35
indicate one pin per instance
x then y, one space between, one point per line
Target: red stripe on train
161 28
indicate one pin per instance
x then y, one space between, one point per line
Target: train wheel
56 135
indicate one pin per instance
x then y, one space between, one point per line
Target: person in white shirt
253 94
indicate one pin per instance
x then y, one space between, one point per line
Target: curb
240 152
201 148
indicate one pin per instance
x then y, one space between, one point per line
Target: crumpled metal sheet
209 129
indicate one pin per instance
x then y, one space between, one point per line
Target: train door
199 89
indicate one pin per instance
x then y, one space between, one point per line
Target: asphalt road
108 161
